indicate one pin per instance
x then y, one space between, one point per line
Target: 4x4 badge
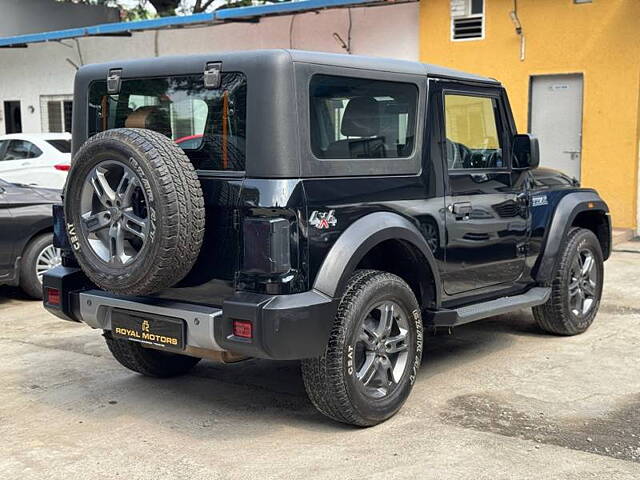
322 220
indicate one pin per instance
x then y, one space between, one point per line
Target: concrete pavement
495 400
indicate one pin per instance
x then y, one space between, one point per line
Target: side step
470 313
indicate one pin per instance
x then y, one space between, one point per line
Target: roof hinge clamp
212 75
113 81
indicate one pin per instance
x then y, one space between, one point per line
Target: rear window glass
63 146
361 118
209 125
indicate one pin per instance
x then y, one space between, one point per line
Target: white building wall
46 69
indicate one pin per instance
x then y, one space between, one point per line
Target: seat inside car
361 119
150 117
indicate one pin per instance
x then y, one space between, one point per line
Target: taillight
64 167
242 328
52 296
267 246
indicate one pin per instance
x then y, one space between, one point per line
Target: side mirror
526 151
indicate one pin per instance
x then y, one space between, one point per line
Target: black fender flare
564 214
358 239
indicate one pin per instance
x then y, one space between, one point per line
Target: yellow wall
601 40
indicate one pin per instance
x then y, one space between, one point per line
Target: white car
40 159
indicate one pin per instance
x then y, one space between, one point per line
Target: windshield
209 125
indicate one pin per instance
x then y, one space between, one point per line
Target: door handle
461 209
26 164
522 198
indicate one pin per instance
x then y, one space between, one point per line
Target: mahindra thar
325 208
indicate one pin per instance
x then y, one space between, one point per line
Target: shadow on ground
270 393
615 435
11 294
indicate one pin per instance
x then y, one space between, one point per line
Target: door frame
508 129
8 117
530 104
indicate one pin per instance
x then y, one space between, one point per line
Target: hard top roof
383 64
153 66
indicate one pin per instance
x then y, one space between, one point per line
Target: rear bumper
284 327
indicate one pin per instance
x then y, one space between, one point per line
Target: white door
556 119
19 162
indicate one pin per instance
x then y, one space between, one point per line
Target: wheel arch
584 209
360 246
39 228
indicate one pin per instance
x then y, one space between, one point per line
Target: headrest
361 118
151 117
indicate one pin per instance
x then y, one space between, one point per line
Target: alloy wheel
48 258
382 349
583 278
114 215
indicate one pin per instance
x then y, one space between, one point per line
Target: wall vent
467 19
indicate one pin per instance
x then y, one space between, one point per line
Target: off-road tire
176 201
555 316
328 380
29 282
148 361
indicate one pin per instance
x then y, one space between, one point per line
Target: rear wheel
373 353
39 257
576 288
148 361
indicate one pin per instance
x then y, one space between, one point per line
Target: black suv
294 205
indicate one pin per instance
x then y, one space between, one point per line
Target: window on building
471 126
467 19
361 118
582 1
56 111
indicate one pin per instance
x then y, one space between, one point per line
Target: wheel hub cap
114 217
382 350
47 259
583 282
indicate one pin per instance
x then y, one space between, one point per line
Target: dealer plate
156 330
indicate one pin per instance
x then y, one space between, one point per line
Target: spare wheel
134 211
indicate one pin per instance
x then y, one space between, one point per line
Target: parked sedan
40 159
26 238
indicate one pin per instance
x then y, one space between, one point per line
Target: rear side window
63 146
20 150
361 118
209 125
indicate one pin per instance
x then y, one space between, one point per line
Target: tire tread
553 316
147 361
323 377
182 200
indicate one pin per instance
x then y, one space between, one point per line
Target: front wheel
373 354
39 257
576 288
